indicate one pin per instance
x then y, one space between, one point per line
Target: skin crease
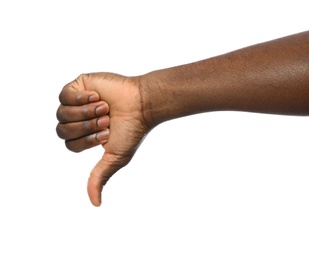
270 77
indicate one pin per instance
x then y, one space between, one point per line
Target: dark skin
271 77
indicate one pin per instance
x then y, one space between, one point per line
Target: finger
66 114
101 173
72 96
75 130
87 142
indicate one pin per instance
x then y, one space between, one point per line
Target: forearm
271 77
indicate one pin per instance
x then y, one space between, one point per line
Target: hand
83 122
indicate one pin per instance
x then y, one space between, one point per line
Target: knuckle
61 115
86 112
91 140
61 98
79 98
71 145
87 126
61 132
63 95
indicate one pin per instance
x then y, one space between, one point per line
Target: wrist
177 92
158 99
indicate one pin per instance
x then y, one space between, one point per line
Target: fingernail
93 98
103 122
101 110
103 135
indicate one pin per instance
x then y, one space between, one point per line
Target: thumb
101 173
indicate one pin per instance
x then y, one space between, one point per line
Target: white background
222 185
